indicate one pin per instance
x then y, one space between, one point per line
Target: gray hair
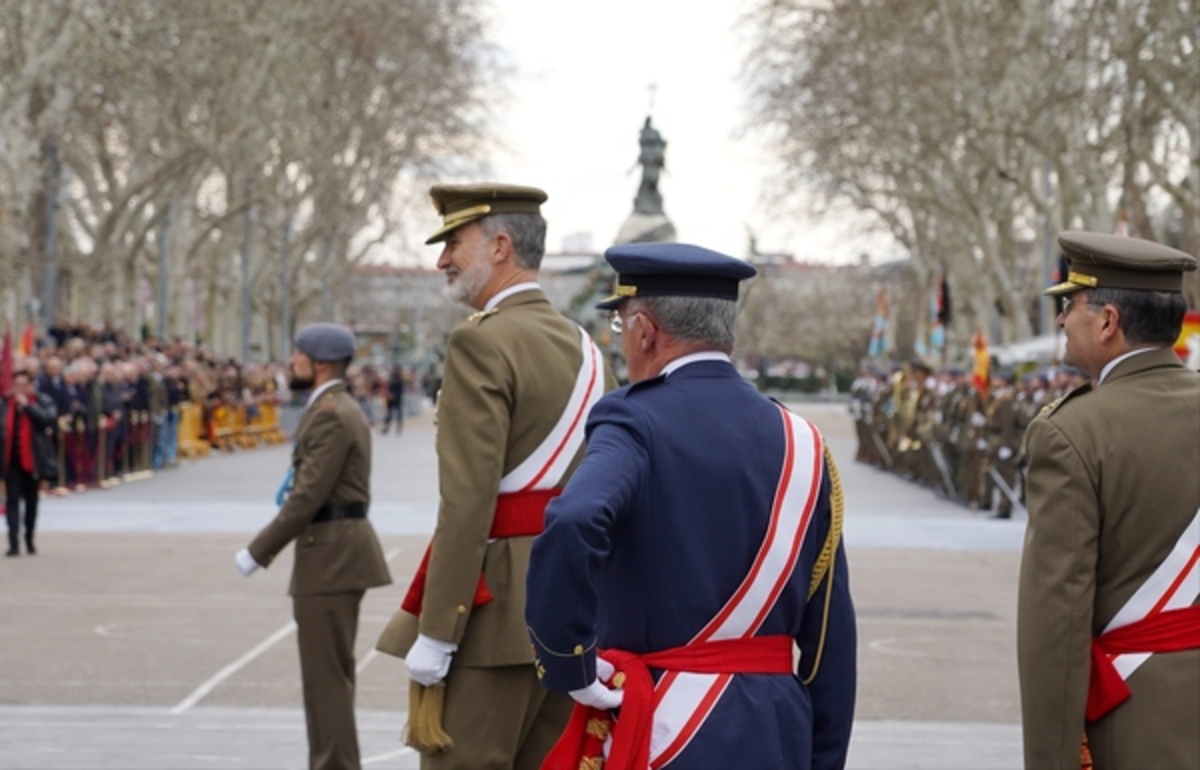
1145 317
695 319
528 234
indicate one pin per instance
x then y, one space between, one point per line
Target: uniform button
311 540
462 609
579 649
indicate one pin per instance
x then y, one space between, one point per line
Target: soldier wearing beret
518 381
337 553
697 545
1108 625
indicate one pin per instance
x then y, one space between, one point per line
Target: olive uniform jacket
1112 485
331 465
508 376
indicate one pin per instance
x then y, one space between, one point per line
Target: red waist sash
630 750
517 514
1166 631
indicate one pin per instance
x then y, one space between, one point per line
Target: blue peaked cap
673 270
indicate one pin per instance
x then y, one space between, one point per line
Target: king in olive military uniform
519 380
337 553
1108 626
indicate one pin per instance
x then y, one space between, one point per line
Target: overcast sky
582 92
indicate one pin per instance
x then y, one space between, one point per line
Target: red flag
6 363
27 340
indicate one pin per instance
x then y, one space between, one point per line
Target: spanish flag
27 340
982 377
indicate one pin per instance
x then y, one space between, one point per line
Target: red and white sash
1174 585
683 701
548 464
524 490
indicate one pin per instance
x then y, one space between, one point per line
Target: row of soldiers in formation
953 431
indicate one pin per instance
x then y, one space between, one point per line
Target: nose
443 260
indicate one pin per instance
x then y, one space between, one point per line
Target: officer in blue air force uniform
699 543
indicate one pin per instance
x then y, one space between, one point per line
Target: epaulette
325 401
1053 406
480 315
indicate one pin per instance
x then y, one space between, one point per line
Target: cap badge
1083 280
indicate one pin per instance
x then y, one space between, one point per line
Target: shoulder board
480 315
1053 406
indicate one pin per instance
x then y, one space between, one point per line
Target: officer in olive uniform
1109 574
518 382
337 555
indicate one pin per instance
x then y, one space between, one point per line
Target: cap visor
612 303
439 236
1066 287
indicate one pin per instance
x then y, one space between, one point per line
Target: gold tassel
425 707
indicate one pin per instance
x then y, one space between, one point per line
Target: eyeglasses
617 324
1070 304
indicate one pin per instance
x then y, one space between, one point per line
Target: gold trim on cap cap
624 291
1082 279
464 215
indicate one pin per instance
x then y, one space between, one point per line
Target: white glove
978 420
245 562
598 696
428 661
1004 453
981 444
604 669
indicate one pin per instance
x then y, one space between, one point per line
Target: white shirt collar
323 387
506 293
1109 366
691 358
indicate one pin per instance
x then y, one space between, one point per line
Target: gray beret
326 342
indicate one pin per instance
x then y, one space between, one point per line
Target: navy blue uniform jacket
652 536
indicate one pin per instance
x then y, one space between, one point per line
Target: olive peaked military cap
1104 261
326 342
464 203
673 270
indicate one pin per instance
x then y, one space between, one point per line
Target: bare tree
320 119
966 129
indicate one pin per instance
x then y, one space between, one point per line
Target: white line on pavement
215 680
389 755
200 692
366 661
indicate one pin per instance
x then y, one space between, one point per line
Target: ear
1110 326
501 248
647 331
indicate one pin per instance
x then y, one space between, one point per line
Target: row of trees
234 156
972 132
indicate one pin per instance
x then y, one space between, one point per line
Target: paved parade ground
131 641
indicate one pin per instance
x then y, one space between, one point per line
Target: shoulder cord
825 559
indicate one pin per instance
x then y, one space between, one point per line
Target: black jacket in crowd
42 414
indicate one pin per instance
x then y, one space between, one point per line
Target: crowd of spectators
119 400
